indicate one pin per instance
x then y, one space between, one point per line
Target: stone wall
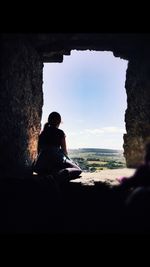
137 115
21 100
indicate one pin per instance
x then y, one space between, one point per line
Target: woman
52 151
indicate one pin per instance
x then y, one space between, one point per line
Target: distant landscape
97 159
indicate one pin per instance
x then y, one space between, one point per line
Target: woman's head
54 119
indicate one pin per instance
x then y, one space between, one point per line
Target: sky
88 90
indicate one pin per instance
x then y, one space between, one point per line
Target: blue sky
88 90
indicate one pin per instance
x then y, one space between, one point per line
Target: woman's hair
54 119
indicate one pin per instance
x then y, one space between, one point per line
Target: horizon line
95 148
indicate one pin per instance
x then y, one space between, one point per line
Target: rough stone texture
21 96
21 101
55 45
137 115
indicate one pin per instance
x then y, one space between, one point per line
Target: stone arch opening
21 96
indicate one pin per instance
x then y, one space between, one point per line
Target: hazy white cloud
112 129
104 137
75 133
98 131
95 141
109 129
79 121
72 133
94 131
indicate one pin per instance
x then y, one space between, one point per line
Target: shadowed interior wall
137 115
21 100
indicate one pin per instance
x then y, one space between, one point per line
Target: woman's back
50 137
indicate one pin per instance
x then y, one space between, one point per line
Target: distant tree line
85 164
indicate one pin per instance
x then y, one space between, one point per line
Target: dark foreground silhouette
39 205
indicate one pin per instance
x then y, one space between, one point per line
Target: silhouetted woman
52 151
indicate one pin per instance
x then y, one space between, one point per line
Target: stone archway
21 96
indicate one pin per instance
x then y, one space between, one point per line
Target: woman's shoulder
61 132
53 131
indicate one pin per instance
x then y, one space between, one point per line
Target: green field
94 159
